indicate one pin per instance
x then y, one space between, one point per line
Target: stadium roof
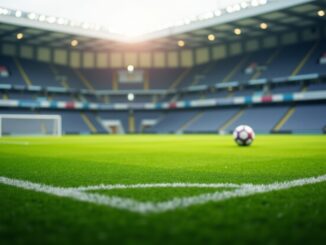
127 17
272 18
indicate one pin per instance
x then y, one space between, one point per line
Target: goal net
30 125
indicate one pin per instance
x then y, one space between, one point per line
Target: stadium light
4 11
254 3
321 13
218 12
237 7
244 5
263 26
181 43
42 18
31 16
18 14
237 31
74 43
131 97
86 25
206 16
19 36
130 68
211 37
61 21
51 19
229 9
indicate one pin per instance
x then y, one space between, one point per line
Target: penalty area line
159 207
156 185
112 201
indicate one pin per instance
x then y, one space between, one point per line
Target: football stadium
163 122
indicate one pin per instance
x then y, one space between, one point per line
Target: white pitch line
159 207
115 202
246 190
156 185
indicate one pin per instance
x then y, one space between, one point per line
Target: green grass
293 216
159 194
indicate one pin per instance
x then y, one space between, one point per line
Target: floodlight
131 97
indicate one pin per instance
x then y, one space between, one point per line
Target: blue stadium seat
307 119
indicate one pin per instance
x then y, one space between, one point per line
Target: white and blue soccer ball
244 135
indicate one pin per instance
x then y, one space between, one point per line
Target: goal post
30 125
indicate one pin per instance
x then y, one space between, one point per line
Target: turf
293 216
159 194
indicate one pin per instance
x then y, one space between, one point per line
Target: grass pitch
292 216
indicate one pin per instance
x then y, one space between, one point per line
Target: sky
133 16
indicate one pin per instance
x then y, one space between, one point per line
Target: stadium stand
316 86
313 64
142 116
61 97
224 70
93 122
307 119
72 122
14 77
286 61
96 78
263 119
218 94
20 95
192 76
39 73
67 75
286 88
60 83
164 78
172 122
120 116
210 121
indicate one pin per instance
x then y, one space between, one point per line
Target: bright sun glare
127 17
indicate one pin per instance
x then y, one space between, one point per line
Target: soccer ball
244 135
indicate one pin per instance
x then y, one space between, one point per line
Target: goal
30 125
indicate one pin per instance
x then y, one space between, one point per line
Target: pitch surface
295 215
